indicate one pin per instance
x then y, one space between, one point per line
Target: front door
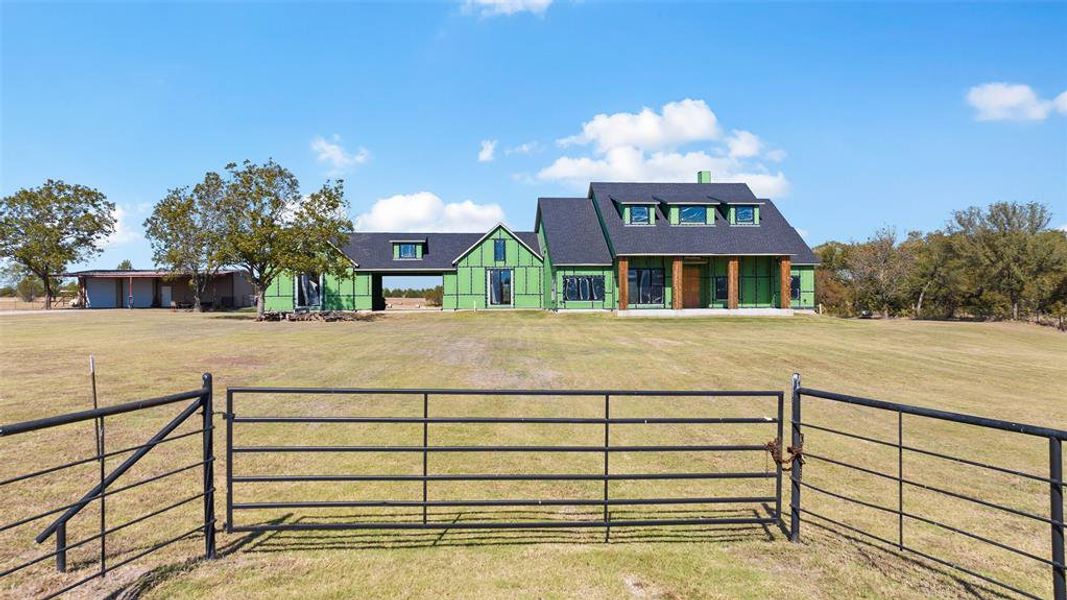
164 296
691 286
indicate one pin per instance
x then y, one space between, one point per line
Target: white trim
491 231
624 254
609 265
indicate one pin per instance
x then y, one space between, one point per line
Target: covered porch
743 284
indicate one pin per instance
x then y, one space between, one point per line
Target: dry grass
999 370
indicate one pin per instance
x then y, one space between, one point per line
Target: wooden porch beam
733 272
786 270
676 283
624 282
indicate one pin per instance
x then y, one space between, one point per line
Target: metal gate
418 416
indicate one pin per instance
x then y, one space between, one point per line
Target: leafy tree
833 291
46 228
269 227
125 265
936 277
879 270
186 231
1001 251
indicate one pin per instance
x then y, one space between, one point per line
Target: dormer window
640 215
693 215
407 250
746 215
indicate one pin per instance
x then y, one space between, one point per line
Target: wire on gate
796 453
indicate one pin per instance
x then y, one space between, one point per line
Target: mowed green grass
1007 371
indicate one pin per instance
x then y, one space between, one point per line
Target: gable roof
773 236
493 230
371 251
572 232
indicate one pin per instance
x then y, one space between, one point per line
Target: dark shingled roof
572 232
374 251
774 235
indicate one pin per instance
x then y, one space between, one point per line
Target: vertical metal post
103 493
61 547
425 451
778 470
797 437
1055 459
209 468
900 480
229 460
607 444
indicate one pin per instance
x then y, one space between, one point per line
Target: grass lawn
1007 371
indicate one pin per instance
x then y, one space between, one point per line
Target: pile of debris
327 316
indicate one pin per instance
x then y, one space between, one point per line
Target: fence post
209 469
229 460
1055 459
794 499
61 547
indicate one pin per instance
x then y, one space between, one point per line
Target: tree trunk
47 292
260 309
197 306
1014 311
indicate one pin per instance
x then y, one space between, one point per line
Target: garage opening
402 293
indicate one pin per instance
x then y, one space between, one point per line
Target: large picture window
693 215
646 286
500 250
500 292
583 288
745 215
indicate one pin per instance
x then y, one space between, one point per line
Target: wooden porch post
624 282
676 283
785 265
733 269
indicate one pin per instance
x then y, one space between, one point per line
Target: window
721 293
499 287
745 215
407 251
693 215
640 215
308 290
500 250
583 288
794 287
646 286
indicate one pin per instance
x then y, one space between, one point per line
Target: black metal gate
424 416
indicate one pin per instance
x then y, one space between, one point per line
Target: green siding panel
466 288
807 286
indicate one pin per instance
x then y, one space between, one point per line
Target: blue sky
452 116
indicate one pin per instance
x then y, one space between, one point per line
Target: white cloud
332 153
999 101
492 8
679 123
488 151
651 146
526 148
743 144
425 211
124 233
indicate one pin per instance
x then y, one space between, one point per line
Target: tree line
998 262
250 216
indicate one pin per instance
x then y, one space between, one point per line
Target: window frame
716 288
298 279
794 287
648 214
414 251
500 250
702 221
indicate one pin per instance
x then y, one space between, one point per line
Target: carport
158 289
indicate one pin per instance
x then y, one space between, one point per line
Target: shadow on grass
448 532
